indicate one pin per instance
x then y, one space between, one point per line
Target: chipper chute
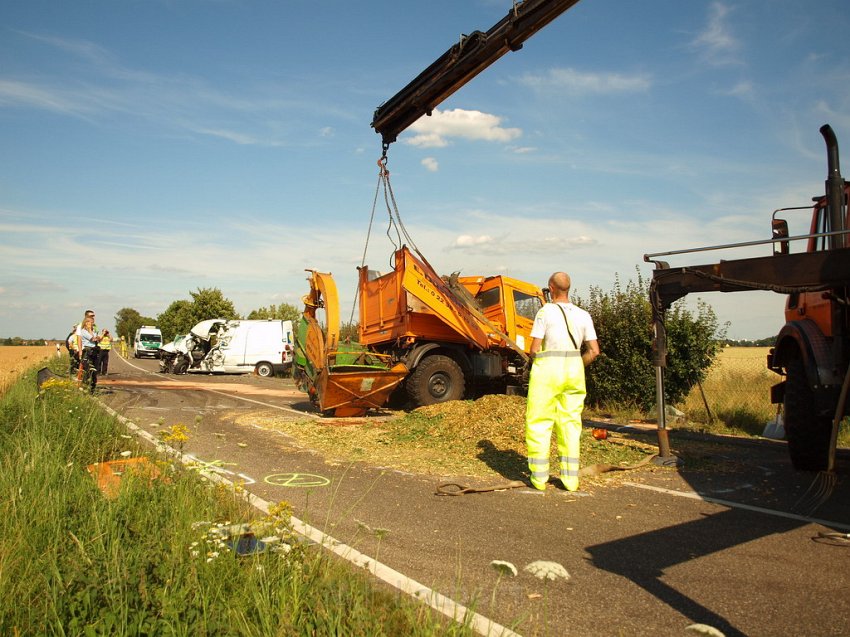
342 379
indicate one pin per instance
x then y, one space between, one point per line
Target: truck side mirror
780 231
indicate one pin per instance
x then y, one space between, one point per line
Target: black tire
181 366
806 430
266 370
436 379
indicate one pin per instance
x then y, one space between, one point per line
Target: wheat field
14 360
736 390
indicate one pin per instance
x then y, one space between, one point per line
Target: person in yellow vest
556 387
105 345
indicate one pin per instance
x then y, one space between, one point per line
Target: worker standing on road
556 388
105 346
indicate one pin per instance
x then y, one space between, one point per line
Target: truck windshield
488 298
526 305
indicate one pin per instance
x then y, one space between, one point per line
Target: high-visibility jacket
106 342
556 393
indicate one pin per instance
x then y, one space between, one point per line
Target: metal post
661 408
659 349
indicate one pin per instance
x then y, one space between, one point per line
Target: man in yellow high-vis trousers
556 388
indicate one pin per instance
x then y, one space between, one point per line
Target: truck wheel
436 379
807 431
265 370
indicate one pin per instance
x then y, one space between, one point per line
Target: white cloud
716 42
466 240
581 83
436 130
743 89
430 164
235 137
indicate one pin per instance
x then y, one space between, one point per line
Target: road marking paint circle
297 480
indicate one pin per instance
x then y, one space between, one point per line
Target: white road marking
693 495
442 604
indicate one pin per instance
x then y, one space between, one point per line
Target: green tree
284 312
176 319
349 333
624 374
181 316
210 303
128 320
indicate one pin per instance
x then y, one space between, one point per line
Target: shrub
625 374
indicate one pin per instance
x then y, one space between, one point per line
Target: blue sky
153 147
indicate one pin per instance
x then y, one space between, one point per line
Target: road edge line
453 610
694 495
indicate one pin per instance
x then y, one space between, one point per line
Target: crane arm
461 63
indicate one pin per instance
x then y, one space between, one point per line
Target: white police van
147 342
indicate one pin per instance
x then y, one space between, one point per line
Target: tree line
17 341
205 303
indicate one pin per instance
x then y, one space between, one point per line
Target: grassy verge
153 559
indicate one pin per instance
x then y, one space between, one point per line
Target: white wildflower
195 553
126 454
542 569
504 568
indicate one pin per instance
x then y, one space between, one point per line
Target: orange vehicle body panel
351 392
814 305
412 303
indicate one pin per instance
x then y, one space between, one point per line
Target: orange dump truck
422 337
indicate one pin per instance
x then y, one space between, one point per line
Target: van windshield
151 338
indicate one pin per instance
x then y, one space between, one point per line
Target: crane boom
462 62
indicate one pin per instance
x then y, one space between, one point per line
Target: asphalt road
715 542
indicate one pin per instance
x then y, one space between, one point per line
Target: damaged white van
235 347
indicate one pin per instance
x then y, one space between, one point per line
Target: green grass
150 561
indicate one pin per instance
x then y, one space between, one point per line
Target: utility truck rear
812 350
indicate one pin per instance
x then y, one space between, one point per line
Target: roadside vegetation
153 558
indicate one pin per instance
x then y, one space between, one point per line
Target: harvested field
736 392
485 437
14 360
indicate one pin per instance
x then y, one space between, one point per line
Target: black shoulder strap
564 314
